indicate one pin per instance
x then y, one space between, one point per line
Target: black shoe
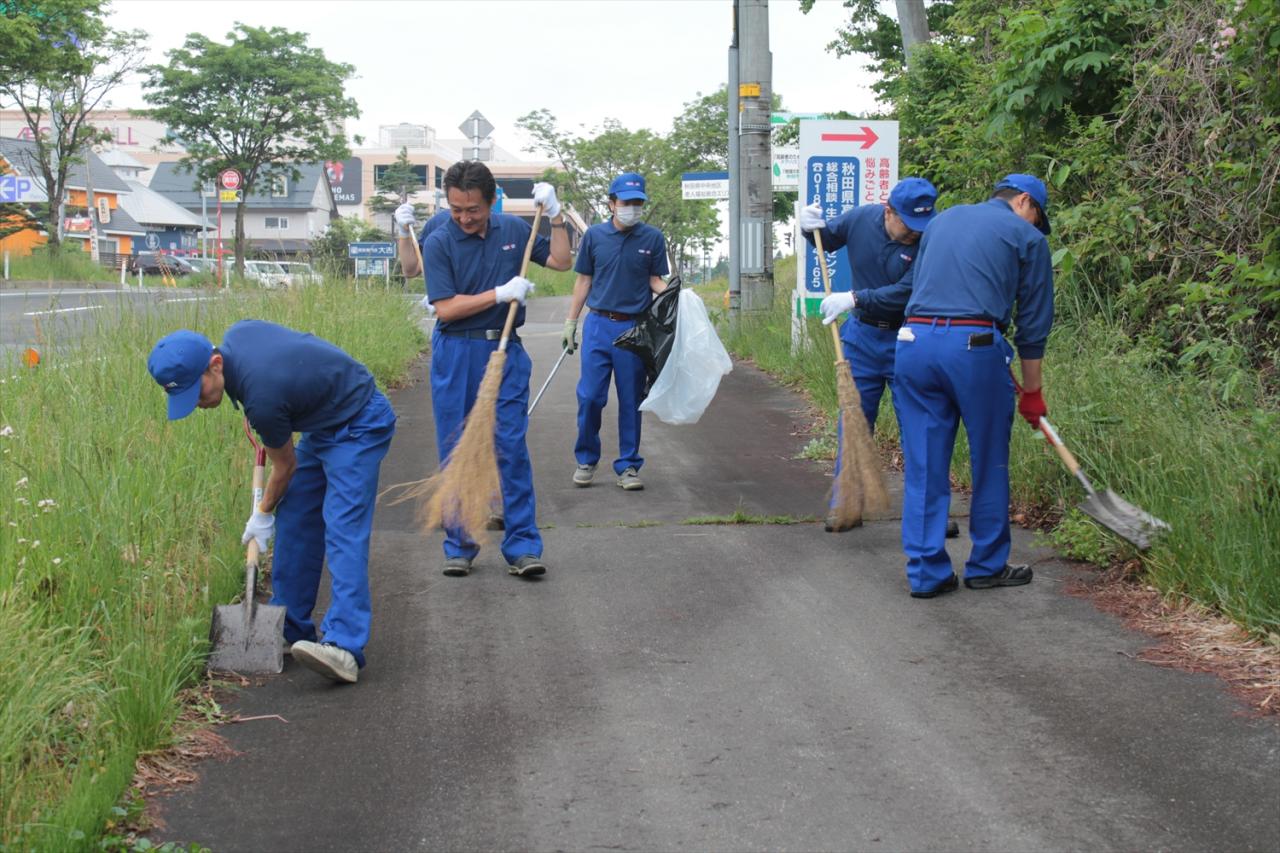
495 522
1009 576
953 529
457 567
948 585
830 525
528 566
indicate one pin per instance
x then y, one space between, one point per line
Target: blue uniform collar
230 380
1005 204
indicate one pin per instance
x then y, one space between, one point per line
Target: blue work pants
457 366
942 380
600 358
327 512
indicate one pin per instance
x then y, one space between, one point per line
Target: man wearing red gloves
976 262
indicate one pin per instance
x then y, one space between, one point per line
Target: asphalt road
757 687
44 317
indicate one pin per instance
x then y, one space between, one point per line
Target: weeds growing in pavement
120 532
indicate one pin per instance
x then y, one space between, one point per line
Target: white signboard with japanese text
843 164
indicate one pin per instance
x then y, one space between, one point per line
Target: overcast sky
435 61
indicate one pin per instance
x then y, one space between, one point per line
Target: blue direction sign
14 188
371 250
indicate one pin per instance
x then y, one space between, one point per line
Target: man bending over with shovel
322 491
976 262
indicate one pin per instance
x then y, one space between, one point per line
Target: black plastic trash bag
652 336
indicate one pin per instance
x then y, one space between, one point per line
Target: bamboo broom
459 495
859 485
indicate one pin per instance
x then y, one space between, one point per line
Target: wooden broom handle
524 269
826 286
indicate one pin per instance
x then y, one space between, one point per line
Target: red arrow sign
867 137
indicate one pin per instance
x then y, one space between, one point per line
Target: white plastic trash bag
689 379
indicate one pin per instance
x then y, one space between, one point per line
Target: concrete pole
755 96
914 24
735 183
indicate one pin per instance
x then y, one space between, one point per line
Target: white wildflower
35 543
57 561
22 500
21 484
47 505
6 431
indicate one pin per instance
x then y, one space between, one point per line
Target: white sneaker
629 480
328 660
583 475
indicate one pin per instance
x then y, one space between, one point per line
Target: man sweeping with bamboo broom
475 267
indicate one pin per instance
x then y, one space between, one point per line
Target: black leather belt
890 325
480 334
614 315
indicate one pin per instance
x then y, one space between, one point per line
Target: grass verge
1164 439
121 531
70 264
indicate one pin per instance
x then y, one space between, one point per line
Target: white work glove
404 217
569 338
428 307
811 218
518 289
835 305
260 526
545 195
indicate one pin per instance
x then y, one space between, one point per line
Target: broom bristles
460 494
859 486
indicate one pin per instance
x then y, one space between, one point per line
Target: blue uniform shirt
440 218
620 264
455 262
881 266
975 261
291 381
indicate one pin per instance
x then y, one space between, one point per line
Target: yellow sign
229 195
748 90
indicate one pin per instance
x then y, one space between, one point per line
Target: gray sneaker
328 660
583 475
457 567
528 566
629 480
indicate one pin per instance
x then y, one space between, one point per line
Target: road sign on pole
843 164
371 250
230 179
702 185
230 196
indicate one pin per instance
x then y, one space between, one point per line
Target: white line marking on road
62 310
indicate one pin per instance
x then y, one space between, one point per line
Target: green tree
58 63
394 186
329 251
262 103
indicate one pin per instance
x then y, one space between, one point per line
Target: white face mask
629 214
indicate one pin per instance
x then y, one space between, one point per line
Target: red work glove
1031 406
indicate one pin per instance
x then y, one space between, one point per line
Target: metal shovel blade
1127 521
247 637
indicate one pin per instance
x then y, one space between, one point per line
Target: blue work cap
627 186
1035 188
177 363
914 200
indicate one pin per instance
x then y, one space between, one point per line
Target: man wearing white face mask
620 266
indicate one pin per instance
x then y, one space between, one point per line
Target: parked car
155 263
266 273
300 274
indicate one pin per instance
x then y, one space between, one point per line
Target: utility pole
914 24
735 186
752 104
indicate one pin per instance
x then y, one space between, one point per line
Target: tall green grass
70 264
1163 439
551 282
120 532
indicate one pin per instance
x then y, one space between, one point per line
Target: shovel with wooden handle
249 637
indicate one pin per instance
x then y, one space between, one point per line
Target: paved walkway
724 688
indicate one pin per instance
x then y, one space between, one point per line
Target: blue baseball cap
177 362
627 186
1034 187
914 200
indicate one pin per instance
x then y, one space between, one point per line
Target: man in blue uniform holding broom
620 266
976 262
320 493
472 265
880 241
